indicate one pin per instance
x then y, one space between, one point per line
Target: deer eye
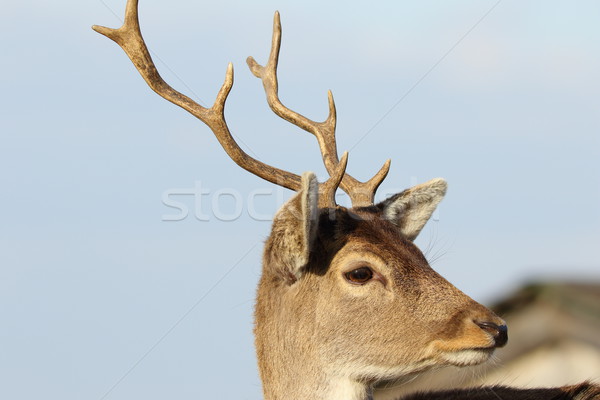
359 276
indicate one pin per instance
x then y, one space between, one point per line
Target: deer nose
498 332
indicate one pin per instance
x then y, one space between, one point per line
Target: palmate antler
129 38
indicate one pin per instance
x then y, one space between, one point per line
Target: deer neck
290 362
315 387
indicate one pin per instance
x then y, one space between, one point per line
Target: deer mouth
461 353
475 345
466 357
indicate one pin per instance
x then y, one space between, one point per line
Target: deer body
345 300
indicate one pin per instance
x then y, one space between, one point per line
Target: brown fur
583 391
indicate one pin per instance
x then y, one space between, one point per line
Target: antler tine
129 38
361 193
327 189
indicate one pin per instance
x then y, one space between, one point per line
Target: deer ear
294 231
412 208
309 199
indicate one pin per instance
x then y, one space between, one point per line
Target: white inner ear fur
411 209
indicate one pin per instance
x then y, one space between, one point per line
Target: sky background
100 298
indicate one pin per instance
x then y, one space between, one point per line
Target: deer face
384 310
352 283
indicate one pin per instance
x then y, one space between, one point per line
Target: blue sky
93 281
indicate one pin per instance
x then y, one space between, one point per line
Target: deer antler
361 193
129 38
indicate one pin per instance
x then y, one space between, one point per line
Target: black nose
498 332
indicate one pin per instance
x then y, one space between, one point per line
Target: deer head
345 299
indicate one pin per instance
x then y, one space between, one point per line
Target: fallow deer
345 299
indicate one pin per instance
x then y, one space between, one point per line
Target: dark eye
359 276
